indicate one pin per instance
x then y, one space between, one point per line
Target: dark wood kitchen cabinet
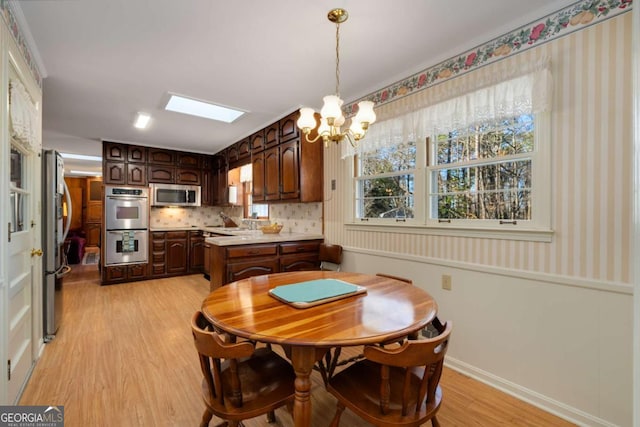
114 152
206 268
123 164
159 156
257 170
124 174
114 173
123 273
220 179
257 141
286 167
298 256
162 174
196 252
189 160
289 171
188 176
231 263
136 154
158 254
136 174
282 172
288 128
177 252
271 174
272 135
206 191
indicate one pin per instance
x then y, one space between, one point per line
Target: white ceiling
103 61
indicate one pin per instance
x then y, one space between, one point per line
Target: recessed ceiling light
81 157
142 120
194 107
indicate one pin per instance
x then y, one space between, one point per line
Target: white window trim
539 229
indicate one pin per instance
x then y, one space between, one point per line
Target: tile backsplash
295 217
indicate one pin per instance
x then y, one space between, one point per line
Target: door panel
19 292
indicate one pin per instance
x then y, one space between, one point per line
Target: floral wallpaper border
12 25
555 25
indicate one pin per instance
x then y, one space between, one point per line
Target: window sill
523 234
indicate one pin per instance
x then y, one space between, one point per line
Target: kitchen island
248 253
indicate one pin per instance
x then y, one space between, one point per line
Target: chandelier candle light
331 114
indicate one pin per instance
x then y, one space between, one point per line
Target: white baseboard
552 406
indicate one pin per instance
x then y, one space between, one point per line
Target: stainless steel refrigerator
55 266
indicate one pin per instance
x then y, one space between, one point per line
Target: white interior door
21 256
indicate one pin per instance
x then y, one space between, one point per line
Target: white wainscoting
562 344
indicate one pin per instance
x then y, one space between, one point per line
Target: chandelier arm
350 137
311 141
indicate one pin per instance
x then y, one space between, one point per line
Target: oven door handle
128 199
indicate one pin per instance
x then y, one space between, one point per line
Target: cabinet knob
36 252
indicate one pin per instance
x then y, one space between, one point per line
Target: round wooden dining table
390 309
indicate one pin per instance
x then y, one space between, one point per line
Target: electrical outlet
333 184
446 282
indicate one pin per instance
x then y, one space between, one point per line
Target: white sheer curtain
23 114
498 91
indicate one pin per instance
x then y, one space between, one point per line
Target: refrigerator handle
67 196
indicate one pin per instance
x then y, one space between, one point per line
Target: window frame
539 228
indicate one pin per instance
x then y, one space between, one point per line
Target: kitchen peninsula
247 253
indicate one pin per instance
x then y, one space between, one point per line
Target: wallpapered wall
591 141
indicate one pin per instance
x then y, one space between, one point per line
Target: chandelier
332 118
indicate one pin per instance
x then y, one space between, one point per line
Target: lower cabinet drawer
299 262
243 270
247 251
299 247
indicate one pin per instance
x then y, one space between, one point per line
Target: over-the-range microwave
174 195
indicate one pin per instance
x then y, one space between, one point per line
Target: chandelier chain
338 59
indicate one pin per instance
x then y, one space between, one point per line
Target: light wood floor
115 362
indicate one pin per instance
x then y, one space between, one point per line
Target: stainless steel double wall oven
127 225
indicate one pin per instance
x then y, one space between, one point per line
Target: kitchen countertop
229 236
249 237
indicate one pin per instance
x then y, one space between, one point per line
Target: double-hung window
477 161
385 183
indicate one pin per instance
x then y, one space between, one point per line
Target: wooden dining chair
332 360
240 381
394 387
330 256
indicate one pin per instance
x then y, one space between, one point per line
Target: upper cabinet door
243 149
257 141
136 154
159 156
114 151
272 174
257 166
272 135
289 171
288 128
189 160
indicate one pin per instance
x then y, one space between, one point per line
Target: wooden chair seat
240 381
365 375
264 376
394 387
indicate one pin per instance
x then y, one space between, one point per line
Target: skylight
204 109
